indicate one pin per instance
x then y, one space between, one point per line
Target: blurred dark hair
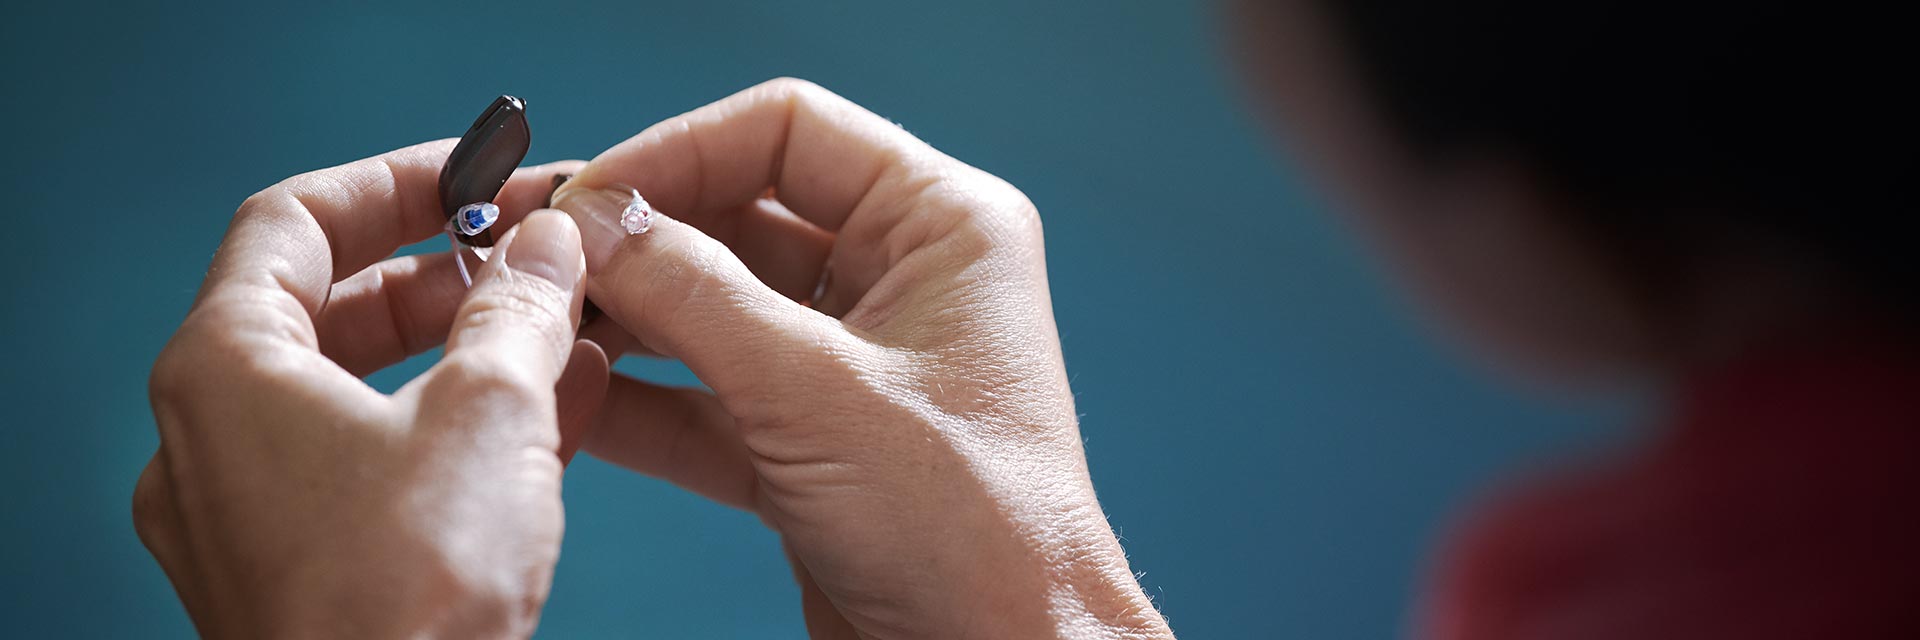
1659 119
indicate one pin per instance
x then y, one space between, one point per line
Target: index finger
881 193
289 243
821 153
306 229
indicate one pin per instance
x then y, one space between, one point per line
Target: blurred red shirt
1779 503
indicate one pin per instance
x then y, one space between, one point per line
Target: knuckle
800 95
273 200
787 86
998 204
224 352
259 201
267 369
544 309
476 375
149 502
686 270
246 305
980 215
298 193
695 259
175 377
316 182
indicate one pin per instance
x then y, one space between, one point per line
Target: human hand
911 436
288 497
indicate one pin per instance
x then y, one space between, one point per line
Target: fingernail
599 213
543 245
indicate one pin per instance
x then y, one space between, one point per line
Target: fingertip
547 245
599 216
523 307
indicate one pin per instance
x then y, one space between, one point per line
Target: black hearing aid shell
483 160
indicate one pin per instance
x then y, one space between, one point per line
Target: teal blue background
1272 434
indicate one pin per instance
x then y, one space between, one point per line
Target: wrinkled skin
910 433
871 316
288 498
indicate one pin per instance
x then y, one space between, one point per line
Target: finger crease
397 314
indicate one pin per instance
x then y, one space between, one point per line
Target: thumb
512 337
686 296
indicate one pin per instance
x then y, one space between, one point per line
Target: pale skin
910 433
907 428
290 499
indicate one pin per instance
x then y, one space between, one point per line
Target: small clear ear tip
472 219
637 217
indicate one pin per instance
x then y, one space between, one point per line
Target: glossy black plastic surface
483 160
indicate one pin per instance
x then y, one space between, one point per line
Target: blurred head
1600 191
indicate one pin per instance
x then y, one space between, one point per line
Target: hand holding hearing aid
288 496
888 390
872 316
